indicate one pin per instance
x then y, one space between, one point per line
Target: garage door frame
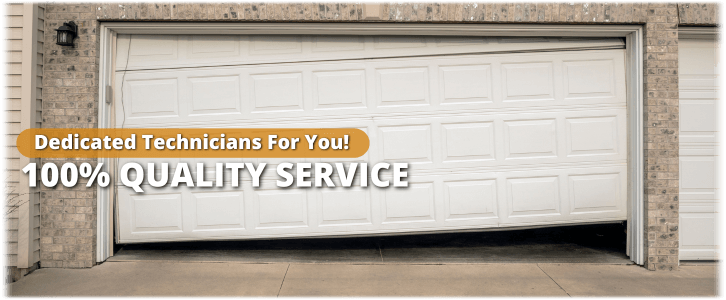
634 82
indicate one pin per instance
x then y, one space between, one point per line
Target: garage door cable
123 79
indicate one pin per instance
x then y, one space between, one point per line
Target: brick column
70 93
661 136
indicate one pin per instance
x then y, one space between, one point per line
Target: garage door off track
498 132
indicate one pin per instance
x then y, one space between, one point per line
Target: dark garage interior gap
597 243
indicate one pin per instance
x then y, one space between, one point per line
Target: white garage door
698 69
498 132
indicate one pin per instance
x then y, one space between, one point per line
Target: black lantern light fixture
66 34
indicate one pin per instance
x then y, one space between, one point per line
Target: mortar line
283 280
548 275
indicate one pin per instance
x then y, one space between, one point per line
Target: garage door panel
214 95
342 89
218 210
593 136
468 141
412 204
337 43
533 196
266 44
593 193
698 121
402 87
411 143
344 207
152 98
155 213
465 84
154 49
276 92
530 139
281 208
589 79
470 199
530 81
698 168
698 227
161 212
211 46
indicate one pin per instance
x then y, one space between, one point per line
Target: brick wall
68 215
661 136
70 99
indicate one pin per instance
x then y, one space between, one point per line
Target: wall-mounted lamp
66 34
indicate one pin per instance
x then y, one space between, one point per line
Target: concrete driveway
148 278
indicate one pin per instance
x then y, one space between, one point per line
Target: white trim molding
697 32
634 72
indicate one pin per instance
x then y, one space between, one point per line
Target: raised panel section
698 116
219 210
594 193
345 207
592 136
215 95
698 230
406 143
153 47
698 56
389 42
533 196
337 43
467 200
157 213
528 81
460 41
205 46
589 79
339 89
400 87
281 44
530 139
277 92
465 84
412 204
153 98
468 141
282 208
697 172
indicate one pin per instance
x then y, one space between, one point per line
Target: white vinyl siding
23 109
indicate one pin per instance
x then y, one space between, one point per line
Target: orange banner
185 142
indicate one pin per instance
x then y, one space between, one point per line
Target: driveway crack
548 275
283 280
